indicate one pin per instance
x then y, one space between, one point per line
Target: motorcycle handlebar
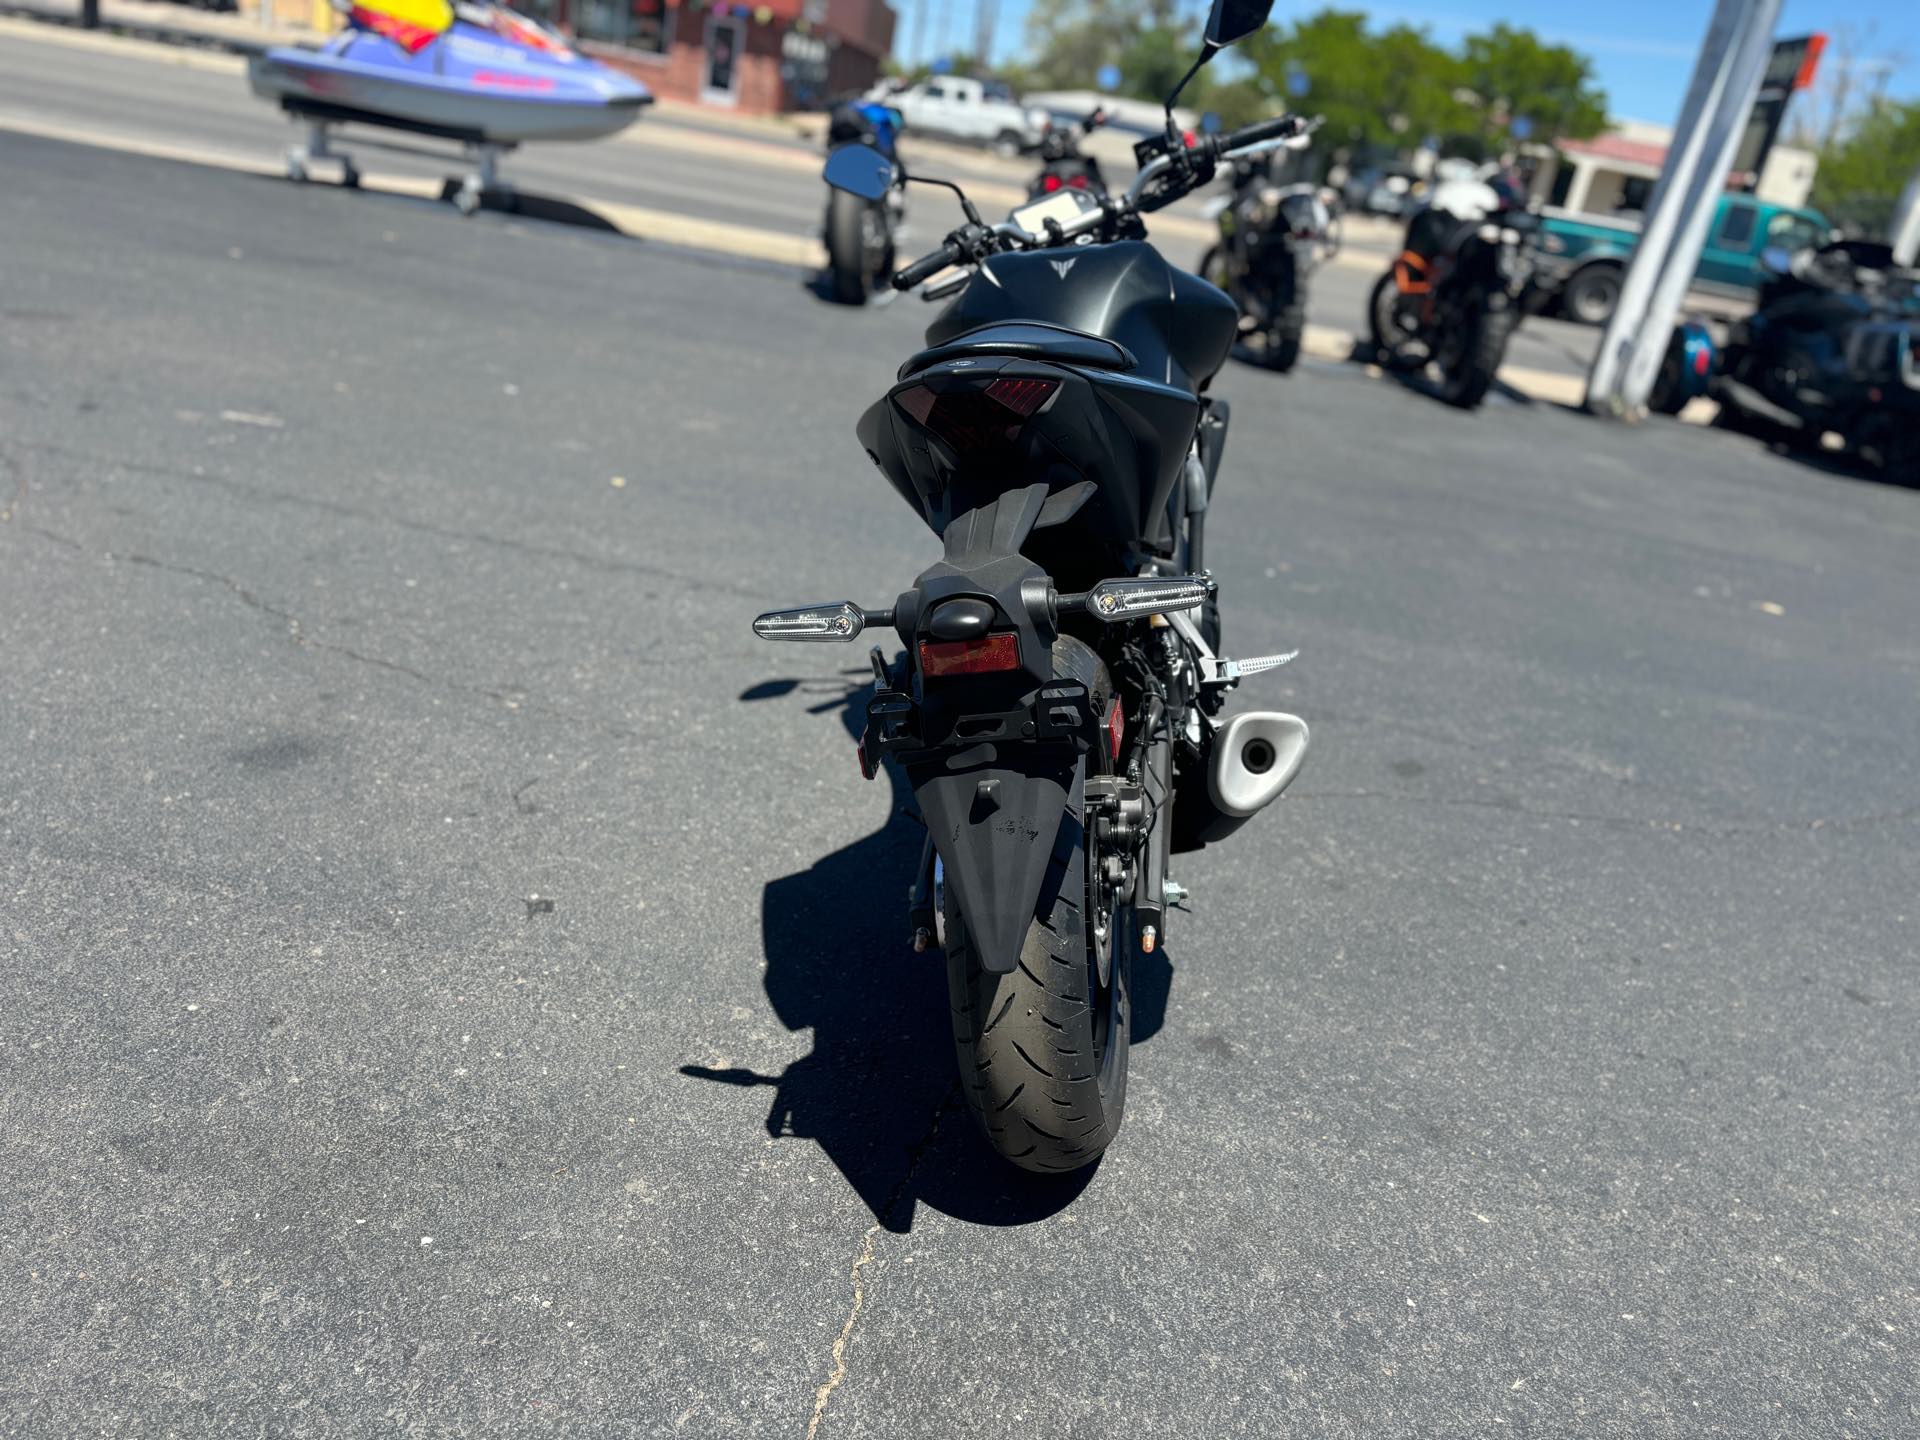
1280 127
927 266
1263 134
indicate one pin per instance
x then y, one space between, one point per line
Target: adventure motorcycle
1057 711
1063 164
1833 346
1271 240
1454 298
860 233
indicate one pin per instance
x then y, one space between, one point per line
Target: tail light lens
977 419
1050 183
982 656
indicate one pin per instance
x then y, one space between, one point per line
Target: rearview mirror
860 170
1233 20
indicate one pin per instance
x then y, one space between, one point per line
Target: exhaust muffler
1253 758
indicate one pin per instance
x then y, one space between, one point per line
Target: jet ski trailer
482 76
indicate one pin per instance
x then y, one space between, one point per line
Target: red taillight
1702 358
1116 728
972 419
1050 183
1023 397
1078 182
979 656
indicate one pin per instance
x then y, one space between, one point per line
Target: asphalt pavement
453 979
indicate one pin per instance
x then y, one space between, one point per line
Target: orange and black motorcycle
1454 298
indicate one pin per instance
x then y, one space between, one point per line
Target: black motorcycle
859 232
1058 709
1271 239
1063 164
1454 298
1834 346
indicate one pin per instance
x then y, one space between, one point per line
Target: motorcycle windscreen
994 823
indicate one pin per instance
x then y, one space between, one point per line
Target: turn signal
1128 599
999 651
814 622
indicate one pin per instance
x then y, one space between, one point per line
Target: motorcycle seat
1030 340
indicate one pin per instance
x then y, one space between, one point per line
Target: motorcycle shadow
1423 381
878 1091
820 286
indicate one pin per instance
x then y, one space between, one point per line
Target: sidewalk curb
186 36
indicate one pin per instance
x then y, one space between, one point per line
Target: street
455 980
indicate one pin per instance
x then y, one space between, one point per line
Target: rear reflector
989 653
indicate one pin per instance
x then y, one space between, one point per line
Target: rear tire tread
1042 1010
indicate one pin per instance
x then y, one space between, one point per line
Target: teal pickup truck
1581 258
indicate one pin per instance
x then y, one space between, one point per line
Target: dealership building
760 56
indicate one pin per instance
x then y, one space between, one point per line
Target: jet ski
477 73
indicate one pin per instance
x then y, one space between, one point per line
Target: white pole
1904 233
1663 212
1724 133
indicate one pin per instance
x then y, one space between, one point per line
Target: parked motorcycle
860 233
1063 164
1058 711
1834 346
1271 239
1454 298
1686 370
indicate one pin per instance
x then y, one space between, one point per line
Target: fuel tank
1179 327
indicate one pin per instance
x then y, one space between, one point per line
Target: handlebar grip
1280 127
927 266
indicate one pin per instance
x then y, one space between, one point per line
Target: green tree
1508 74
1387 90
1072 39
1862 175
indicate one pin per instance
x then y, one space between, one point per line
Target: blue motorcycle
860 233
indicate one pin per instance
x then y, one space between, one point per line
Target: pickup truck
1581 258
963 109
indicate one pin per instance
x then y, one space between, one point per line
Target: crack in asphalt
296 632
837 1371
1624 822
19 496
261 496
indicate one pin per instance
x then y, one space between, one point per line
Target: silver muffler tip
1255 757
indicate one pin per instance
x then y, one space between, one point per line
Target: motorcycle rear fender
994 813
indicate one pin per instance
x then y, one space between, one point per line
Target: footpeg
1217 669
1231 671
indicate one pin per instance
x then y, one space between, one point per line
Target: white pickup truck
963 109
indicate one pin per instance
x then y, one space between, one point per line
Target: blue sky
1642 49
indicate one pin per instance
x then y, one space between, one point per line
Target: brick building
751 55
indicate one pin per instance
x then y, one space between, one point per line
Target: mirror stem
1207 50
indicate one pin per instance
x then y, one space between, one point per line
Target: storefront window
723 58
634 24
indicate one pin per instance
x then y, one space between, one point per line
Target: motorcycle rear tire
846 248
1283 340
1391 345
1048 1093
1481 352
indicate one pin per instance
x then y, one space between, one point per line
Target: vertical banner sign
1790 68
